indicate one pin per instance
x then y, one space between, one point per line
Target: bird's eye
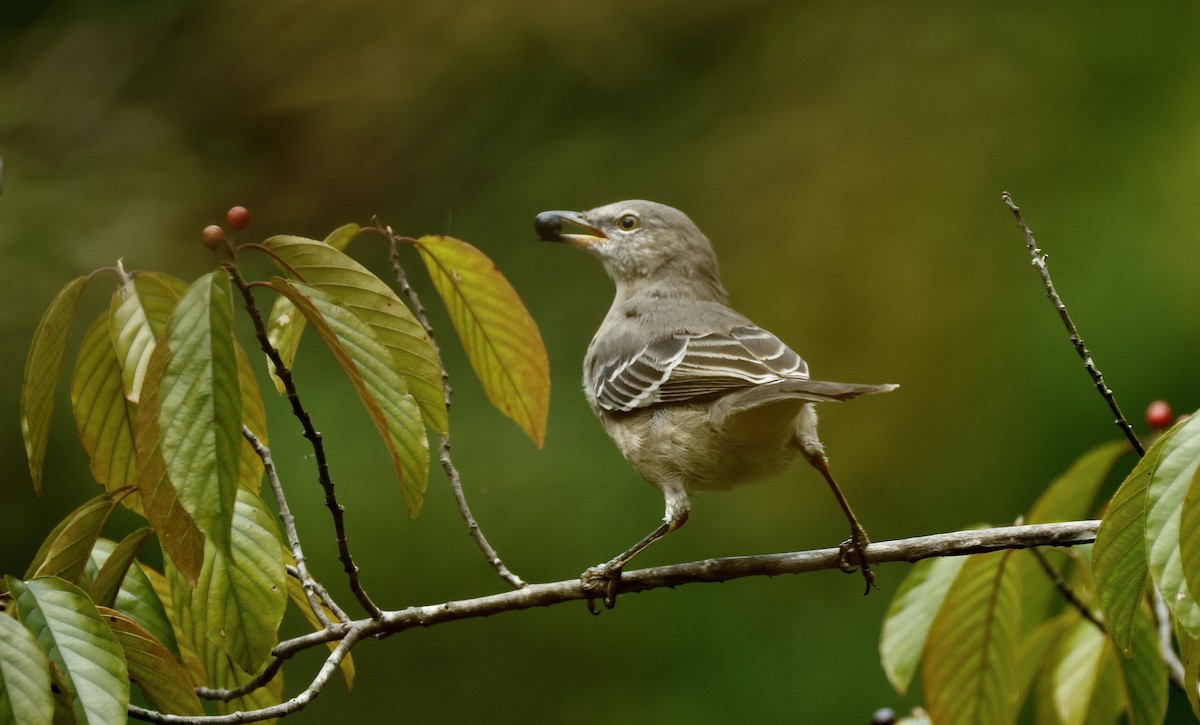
628 222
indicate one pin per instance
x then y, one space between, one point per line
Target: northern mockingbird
695 395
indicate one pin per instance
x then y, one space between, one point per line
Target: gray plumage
694 394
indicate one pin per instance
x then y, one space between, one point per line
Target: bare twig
1065 590
323 593
289 526
473 529
1039 262
958 543
314 437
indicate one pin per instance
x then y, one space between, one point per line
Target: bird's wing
684 366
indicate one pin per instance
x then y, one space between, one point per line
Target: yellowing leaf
65 551
103 417
497 333
254 417
285 325
200 408
970 657
392 324
367 364
42 370
296 594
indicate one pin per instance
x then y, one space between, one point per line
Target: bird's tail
792 391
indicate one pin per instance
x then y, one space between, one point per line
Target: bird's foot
601 580
852 552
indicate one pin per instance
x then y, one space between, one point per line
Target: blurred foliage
846 160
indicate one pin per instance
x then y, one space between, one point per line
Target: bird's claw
601 579
853 551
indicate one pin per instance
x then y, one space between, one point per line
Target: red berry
238 218
213 236
1159 415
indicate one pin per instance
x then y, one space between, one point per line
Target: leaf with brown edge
354 288
43 367
181 540
367 365
498 334
165 684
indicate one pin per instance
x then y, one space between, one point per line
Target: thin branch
323 593
1039 262
289 526
958 543
473 529
1065 590
314 437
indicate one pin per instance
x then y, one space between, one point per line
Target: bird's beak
548 226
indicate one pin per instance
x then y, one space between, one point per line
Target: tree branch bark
956 543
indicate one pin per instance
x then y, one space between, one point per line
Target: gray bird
695 395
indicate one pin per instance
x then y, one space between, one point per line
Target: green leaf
971 653
1070 496
178 534
25 696
136 596
1144 676
1080 663
285 325
354 288
71 633
1120 556
107 582
42 370
65 551
138 314
1168 486
103 418
911 614
200 406
497 333
240 596
381 389
1189 536
162 680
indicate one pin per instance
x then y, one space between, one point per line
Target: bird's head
642 244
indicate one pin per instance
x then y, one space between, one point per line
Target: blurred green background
847 161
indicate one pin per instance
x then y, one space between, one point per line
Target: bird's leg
814 453
858 541
608 574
